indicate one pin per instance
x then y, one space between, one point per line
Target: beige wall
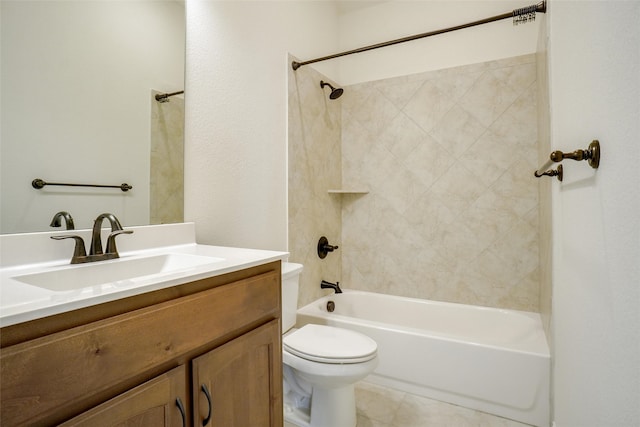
448 159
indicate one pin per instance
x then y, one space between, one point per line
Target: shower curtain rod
163 97
524 14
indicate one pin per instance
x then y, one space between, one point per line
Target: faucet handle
111 240
79 251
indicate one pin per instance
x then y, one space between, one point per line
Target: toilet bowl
321 364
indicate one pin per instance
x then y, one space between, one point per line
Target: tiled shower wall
166 188
448 159
314 167
452 213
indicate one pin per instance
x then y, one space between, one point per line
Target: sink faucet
95 251
68 220
96 238
328 285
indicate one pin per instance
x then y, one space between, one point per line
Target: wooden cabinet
159 402
128 362
236 384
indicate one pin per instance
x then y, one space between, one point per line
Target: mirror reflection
79 80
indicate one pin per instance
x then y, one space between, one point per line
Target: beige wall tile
166 180
448 157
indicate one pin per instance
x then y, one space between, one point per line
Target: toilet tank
290 285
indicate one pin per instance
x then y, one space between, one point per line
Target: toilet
321 364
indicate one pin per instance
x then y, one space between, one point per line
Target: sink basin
112 272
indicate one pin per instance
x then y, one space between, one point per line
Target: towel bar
39 184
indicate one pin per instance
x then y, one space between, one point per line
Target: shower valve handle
324 247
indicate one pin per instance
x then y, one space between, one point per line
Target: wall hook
551 172
591 154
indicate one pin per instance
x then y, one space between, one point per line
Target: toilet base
296 416
331 407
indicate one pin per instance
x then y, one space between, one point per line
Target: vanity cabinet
129 362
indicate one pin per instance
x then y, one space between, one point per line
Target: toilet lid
327 344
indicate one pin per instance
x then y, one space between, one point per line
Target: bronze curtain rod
524 14
164 96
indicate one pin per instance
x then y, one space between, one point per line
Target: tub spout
328 285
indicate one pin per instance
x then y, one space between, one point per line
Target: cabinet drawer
57 376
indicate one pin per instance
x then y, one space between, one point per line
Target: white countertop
21 302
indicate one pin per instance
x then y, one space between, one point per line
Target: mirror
78 106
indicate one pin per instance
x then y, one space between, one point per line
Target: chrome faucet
95 251
328 285
68 220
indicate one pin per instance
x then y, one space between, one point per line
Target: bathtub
493 360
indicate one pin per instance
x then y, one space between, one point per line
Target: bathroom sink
117 272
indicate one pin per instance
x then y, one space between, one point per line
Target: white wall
395 19
595 94
236 106
76 99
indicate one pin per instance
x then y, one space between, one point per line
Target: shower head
336 92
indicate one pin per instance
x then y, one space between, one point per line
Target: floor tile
379 406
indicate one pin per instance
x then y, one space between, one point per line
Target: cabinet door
240 383
152 404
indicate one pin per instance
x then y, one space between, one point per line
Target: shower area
425 181
437 197
166 159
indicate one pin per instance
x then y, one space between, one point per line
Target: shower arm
518 15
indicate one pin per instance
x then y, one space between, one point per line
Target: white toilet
321 364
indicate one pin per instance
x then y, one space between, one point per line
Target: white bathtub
492 360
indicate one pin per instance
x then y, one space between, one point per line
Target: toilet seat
328 344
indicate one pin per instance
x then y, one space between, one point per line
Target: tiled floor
383 407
